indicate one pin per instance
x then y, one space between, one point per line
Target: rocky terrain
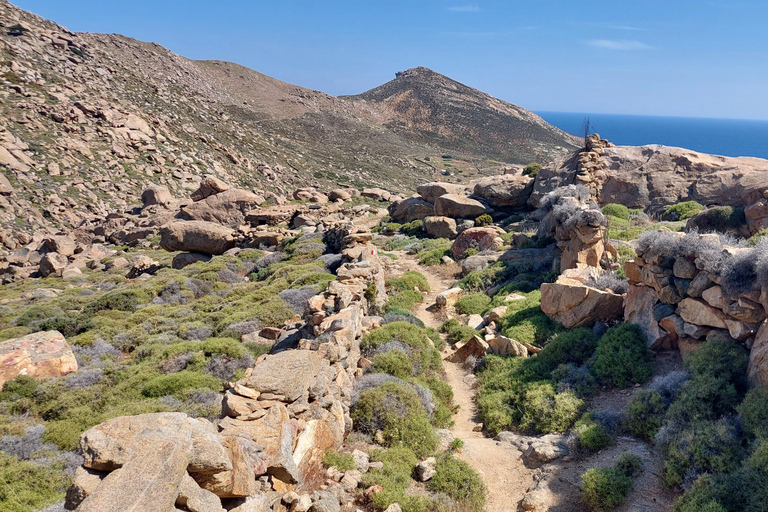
89 120
189 322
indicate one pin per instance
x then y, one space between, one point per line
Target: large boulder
441 227
6 189
112 444
286 375
410 209
378 194
638 309
209 186
458 207
37 355
573 304
757 216
505 191
156 194
431 191
698 312
757 371
197 236
229 207
483 239
52 263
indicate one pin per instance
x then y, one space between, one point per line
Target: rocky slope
89 120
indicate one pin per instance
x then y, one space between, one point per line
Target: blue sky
697 58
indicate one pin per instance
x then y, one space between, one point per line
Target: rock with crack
38 355
197 236
573 304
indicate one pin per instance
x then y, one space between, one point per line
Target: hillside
433 108
89 120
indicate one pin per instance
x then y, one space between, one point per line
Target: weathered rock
431 191
441 227
458 207
258 503
482 239
287 374
475 321
475 347
115 442
156 195
698 312
63 245
537 450
757 216
449 297
638 310
210 185
193 498
413 208
425 470
699 283
362 461
339 194
503 346
5 186
378 194
715 297
149 483
276 433
506 191
38 355
757 371
84 483
52 263
574 305
228 207
183 259
142 264
197 236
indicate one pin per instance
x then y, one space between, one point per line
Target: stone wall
277 421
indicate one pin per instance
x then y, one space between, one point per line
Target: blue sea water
727 137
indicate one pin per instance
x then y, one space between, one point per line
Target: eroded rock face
506 191
156 194
483 239
441 227
209 186
653 177
286 375
757 371
228 207
38 355
197 236
574 304
431 191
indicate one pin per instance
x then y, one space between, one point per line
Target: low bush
474 303
702 447
753 412
341 461
176 384
605 489
483 220
545 411
420 347
395 479
393 362
577 379
532 170
720 219
569 347
622 357
645 414
404 300
457 332
592 435
682 211
616 210
396 410
458 480
26 486
126 300
409 281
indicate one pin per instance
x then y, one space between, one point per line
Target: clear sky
702 58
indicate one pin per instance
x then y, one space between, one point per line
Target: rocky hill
437 110
89 120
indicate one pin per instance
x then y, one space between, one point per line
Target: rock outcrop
197 236
572 303
38 355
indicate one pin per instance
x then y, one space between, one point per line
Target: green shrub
434 256
532 170
126 300
622 357
457 332
573 346
616 210
458 480
753 412
395 479
22 386
605 489
529 326
629 464
470 252
421 348
409 281
396 410
26 486
645 414
704 446
404 300
545 411
474 303
393 362
483 220
66 325
719 218
341 461
702 497
413 228
176 384
682 211
592 435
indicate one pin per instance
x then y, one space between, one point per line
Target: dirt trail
500 464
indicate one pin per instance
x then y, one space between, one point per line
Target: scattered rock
38 355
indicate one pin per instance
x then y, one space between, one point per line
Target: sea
726 137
